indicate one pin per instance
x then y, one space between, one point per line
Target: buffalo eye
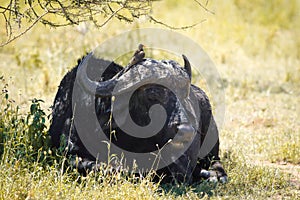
156 94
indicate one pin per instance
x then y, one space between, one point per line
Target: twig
6 9
206 3
65 13
25 31
175 28
204 7
110 17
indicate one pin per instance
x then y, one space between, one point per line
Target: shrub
22 136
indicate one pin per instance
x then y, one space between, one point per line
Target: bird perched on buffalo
137 57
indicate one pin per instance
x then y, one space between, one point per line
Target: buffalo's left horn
187 66
102 89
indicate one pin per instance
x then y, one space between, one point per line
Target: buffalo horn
124 82
187 66
100 89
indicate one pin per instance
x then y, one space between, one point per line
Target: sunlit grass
256 48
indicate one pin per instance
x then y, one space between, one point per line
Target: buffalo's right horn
187 66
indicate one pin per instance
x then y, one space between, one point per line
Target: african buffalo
100 86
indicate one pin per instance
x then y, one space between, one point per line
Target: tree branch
23 32
75 11
175 28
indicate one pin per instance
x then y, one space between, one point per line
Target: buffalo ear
187 66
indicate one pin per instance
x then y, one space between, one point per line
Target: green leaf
32 108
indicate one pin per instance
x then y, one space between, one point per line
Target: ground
256 49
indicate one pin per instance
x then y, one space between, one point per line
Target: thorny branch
20 16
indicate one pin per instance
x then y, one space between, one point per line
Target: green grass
256 48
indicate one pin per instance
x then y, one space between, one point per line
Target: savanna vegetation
256 48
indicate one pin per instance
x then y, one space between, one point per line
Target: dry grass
256 48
